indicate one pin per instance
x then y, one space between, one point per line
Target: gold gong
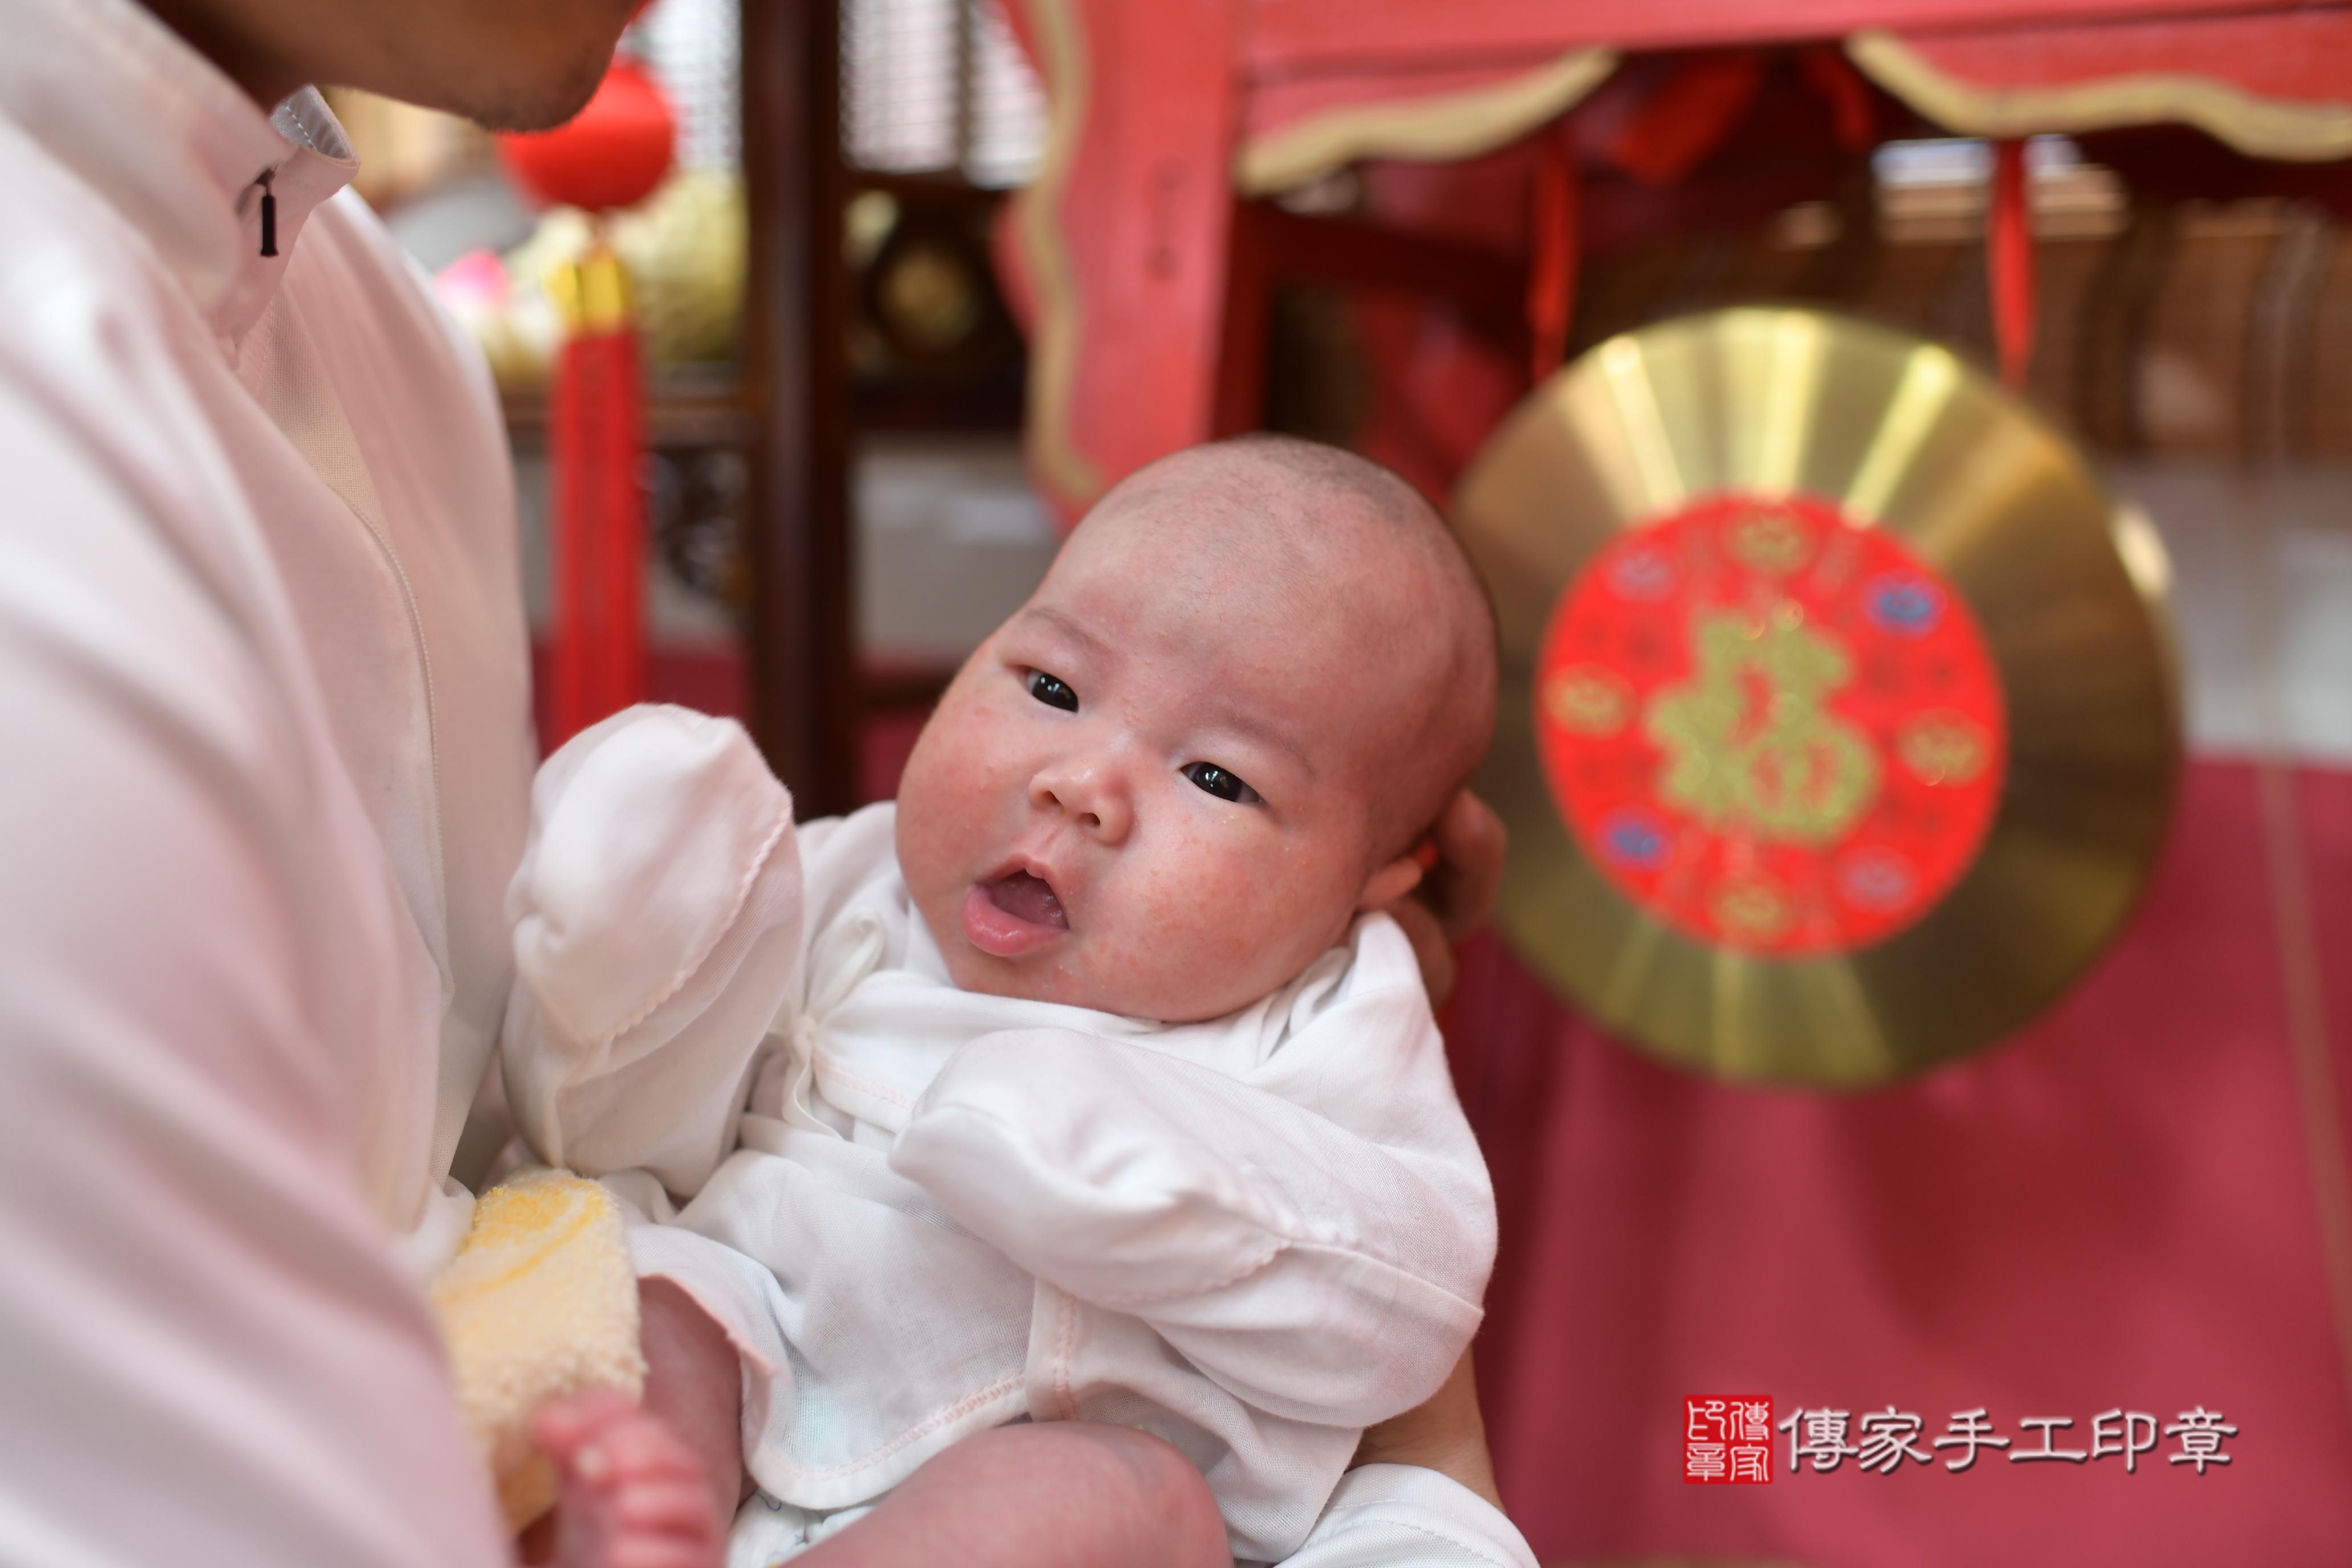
1885 434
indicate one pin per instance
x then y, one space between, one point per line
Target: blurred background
940 116
879 384
2199 344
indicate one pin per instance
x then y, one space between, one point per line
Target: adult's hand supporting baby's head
1457 895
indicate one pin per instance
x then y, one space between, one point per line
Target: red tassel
612 154
2009 258
594 445
1552 259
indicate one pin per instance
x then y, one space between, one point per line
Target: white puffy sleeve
657 924
1314 1235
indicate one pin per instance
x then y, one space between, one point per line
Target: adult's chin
525 100
506 65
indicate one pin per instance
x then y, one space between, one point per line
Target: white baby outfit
942 1211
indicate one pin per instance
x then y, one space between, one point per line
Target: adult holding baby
1088 1079
262 663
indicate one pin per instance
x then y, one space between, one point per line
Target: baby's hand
634 1494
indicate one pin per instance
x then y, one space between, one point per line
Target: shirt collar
171 144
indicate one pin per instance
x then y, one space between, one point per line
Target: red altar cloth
2116 1208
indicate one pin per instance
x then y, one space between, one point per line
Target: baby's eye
1052 690
1218 782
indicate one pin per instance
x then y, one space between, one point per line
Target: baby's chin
1061 978
1064 972
1070 979
1021 942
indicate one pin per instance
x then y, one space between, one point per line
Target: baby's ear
1390 882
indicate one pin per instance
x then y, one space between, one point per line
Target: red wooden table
1167 117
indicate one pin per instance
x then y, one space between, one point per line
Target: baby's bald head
1208 741
1311 544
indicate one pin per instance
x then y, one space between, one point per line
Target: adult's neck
238 37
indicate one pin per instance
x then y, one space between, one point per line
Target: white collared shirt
263 697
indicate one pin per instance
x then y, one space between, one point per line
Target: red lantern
609 155
613 153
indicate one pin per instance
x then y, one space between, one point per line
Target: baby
1086 1080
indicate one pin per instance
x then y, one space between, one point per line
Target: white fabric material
766 1532
1401 1516
253 854
1254 1236
672 816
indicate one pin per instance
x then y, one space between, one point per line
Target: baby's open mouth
1014 913
1029 897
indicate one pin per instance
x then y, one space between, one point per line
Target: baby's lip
1015 911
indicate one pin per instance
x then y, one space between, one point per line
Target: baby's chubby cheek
1201 934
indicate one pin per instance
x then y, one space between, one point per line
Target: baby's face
1151 791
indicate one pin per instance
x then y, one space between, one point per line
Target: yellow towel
540 1302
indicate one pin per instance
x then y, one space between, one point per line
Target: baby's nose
1090 794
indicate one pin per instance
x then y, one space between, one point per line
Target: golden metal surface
2070 600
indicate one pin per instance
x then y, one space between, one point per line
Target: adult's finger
1471 841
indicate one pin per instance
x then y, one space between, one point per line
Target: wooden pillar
802 653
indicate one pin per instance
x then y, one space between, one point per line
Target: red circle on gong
1776 729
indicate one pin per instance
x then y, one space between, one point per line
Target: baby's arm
657 921
1315 1240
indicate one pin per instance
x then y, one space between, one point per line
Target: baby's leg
1060 1494
635 1496
1063 1494
694 1382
